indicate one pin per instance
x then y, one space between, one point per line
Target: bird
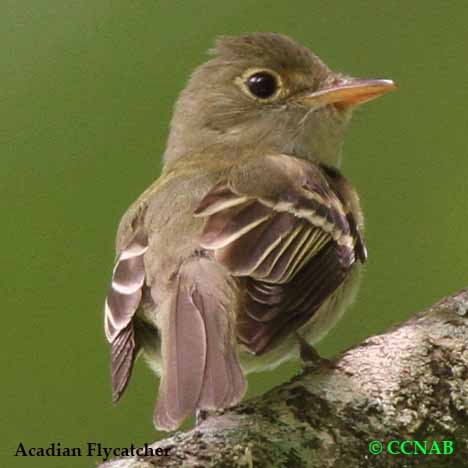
250 243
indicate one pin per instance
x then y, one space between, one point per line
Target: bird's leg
310 358
200 416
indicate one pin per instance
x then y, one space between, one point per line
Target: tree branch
407 384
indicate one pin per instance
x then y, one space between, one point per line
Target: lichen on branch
410 383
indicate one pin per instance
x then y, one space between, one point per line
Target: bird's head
267 93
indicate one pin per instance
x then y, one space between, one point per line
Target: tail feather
183 351
238 384
200 366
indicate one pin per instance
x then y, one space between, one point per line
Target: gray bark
407 384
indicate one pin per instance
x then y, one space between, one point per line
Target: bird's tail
200 367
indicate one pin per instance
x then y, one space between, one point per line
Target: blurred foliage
86 95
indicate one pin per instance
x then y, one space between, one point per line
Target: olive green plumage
249 235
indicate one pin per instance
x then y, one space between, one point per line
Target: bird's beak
348 92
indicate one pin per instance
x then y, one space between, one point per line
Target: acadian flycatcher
250 238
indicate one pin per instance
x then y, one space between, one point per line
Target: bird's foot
310 358
200 416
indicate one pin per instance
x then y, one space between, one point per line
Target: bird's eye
262 84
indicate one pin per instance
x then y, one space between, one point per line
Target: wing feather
123 300
293 247
125 291
124 351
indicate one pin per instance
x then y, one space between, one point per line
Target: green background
86 94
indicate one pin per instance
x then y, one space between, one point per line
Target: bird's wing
280 226
123 300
